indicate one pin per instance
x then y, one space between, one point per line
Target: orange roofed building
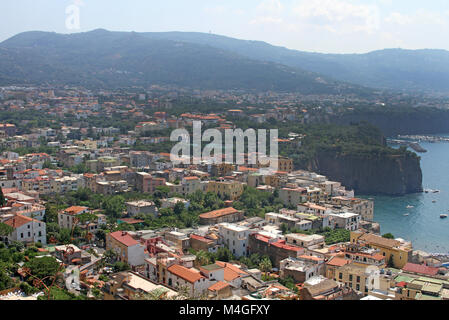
222 215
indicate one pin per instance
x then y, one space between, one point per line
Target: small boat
406 215
436 191
410 207
434 201
443 216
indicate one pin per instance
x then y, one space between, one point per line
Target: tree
114 206
202 258
224 254
5 230
5 281
43 268
265 265
121 266
390 262
162 192
2 198
388 236
284 228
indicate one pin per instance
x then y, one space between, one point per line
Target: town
93 208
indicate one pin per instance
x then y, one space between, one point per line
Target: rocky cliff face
390 175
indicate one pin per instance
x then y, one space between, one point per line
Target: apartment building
397 253
230 190
235 238
127 249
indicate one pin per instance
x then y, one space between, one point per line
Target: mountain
397 69
121 59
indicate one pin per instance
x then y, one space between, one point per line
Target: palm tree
202 258
265 265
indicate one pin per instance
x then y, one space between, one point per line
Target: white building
26 230
235 238
346 220
67 217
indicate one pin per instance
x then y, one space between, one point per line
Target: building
299 270
229 190
25 229
222 215
129 285
363 207
127 249
397 253
66 218
146 183
200 243
235 238
357 277
276 249
180 277
311 242
285 164
321 288
293 197
134 208
347 220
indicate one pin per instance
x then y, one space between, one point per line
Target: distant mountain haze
388 69
118 59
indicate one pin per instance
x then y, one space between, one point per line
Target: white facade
347 220
33 231
235 238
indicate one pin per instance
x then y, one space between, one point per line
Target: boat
434 201
436 191
443 216
410 207
406 215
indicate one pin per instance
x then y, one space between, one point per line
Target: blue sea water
423 226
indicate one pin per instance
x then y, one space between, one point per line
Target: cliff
386 175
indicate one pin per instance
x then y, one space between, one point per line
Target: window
358 278
350 277
340 276
357 287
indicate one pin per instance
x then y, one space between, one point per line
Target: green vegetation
257 203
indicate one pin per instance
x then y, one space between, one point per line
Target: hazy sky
311 25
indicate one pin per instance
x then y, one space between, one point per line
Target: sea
416 217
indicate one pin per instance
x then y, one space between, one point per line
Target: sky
328 26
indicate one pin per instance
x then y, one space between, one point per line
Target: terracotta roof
131 220
200 238
421 269
185 273
218 213
191 178
75 210
378 240
338 262
124 238
231 272
18 221
220 285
